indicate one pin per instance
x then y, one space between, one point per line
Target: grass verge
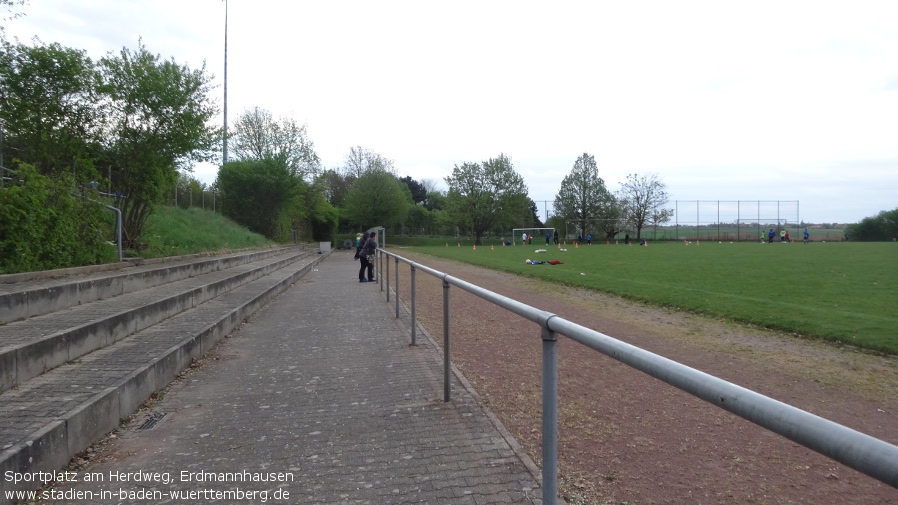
172 231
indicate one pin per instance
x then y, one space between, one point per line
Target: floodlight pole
224 148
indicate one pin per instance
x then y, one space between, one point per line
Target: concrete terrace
317 381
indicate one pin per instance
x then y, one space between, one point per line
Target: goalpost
538 234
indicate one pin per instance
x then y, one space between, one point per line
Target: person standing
556 237
783 235
367 258
524 238
770 235
589 239
807 236
359 242
547 237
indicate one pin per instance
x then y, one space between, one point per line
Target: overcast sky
733 101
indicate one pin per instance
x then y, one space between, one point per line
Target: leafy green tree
583 196
323 217
48 108
335 186
377 198
257 136
531 218
642 199
159 115
419 192
882 227
485 195
254 193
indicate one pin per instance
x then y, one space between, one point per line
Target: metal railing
866 454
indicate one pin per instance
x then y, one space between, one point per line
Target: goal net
532 236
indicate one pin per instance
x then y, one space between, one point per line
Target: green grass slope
172 231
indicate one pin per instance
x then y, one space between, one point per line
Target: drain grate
152 421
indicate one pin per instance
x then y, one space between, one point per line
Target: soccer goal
537 236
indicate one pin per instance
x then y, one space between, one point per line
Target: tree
254 192
436 201
419 192
643 199
377 198
531 218
48 108
882 227
482 196
583 196
258 136
158 114
360 160
335 186
8 5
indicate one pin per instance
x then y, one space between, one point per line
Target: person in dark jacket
366 255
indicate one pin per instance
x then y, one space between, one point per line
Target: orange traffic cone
475 247
492 248
576 245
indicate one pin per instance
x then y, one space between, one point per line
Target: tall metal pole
2 168
224 148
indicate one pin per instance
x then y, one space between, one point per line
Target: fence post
446 361
386 278
397 285
550 415
412 286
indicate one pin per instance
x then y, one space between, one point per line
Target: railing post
412 286
446 360
386 278
397 285
550 415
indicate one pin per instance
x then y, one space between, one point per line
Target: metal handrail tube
864 453
871 456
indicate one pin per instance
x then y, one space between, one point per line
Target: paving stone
323 385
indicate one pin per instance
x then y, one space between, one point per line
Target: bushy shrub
46 224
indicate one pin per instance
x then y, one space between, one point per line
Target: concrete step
49 419
33 294
35 345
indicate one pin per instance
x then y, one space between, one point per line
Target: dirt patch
625 437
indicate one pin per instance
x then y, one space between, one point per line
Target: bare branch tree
643 198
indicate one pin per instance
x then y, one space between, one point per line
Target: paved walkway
321 389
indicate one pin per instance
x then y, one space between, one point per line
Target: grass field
844 292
